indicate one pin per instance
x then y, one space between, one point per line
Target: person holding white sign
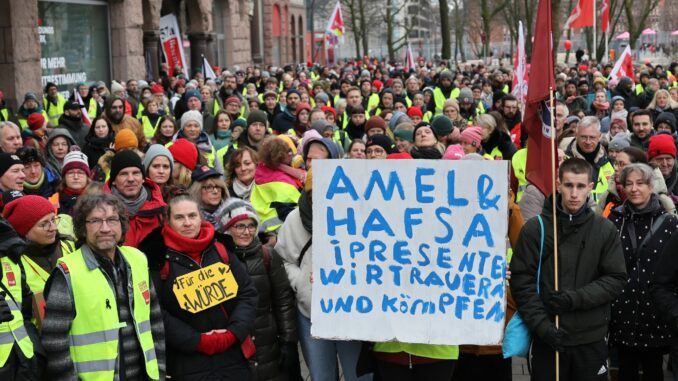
208 299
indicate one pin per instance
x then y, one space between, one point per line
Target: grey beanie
191 116
323 97
619 142
154 151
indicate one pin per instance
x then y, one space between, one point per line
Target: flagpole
595 33
555 214
607 50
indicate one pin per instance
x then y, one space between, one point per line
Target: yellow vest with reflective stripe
149 129
262 197
94 330
604 174
519 164
372 102
439 99
140 110
5 114
13 331
36 276
54 111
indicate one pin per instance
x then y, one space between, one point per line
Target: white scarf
241 190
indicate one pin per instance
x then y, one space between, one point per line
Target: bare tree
459 14
391 16
488 10
445 31
354 25
637 12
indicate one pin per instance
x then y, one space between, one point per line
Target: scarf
426 153
210 214
37 185
241 190
132 206
306 211
192 247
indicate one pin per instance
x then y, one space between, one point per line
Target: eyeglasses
240 228
47 224
97 223
211 188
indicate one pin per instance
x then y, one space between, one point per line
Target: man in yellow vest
53 103
102 317
18 336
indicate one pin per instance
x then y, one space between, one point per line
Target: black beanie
7 160
125 159
381 140
257 116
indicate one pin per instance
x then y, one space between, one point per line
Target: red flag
409 59
624 65
581 16
541 164
83 108
605 15
520 75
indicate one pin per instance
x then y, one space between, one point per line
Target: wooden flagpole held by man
554 163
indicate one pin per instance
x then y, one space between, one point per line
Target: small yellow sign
205 288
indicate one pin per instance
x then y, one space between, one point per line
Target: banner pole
555 224
595 34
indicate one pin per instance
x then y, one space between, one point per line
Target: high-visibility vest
439 99
639 89
519 164
140 110
372 102
13 331
495 154
432 351
54 111
94 331
4 114
36 276
149 129
23 122
505 89
604 174
262 197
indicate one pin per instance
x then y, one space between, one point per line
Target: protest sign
172 45
205 287
409 250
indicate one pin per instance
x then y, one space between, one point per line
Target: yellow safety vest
262 197
149 129
140 110
439 99
431 351
495 154
13 331
372 102
54 111
5 114
604 174
36 276
639 89
94 331
519 164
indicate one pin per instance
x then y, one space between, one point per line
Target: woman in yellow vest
34 220
19 340
496 139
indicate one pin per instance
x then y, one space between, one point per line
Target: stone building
71 41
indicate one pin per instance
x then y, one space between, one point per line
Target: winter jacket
275 324
610 199
76 127
50 160
150 216
95 147
591 271
664 285
634 321
183 328
499 140
292 237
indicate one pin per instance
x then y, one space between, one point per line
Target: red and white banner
605 15
172 47
335 26
624 65
581 16
83 108
409 59
520 75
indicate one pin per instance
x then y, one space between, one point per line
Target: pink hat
453 152
471 135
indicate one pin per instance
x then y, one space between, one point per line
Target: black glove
289 360
5 312
557 302
554 338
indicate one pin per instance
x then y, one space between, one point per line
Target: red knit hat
376 122
415 111
157 89
327 109
661 144
35 121
377 84
24 212
232 99
185 153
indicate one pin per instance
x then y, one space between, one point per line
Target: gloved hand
214 342
554 338
5 312
557 302
289 360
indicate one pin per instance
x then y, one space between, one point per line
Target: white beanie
116 86
191 115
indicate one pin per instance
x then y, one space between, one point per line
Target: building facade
72 41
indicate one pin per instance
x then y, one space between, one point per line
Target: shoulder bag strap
541 249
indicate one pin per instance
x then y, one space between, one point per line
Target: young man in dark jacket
591 273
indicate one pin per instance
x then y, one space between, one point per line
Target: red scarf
73 192
193 247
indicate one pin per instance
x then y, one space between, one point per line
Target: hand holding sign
205 287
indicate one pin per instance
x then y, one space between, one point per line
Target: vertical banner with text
172 45
414 252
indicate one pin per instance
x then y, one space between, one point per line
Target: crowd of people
113 197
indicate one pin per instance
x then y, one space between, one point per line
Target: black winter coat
591 271
635 320
275 324
183 328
